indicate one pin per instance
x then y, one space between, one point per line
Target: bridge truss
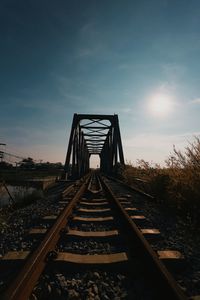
93 135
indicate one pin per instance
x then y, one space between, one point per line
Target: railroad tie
121 199
66 199
93 233
98 219
98 199
63 202
138 217
170 254
173 259
92 259
60 209
16 255
130 208
151 234
52 217
93 203
150 231
100 210
37 231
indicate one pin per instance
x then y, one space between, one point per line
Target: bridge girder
87 139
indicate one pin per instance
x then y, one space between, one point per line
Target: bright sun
160 104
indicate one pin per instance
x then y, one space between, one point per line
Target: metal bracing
93 135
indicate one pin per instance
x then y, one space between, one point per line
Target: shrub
177 185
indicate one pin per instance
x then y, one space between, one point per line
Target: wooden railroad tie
93 203
95 210
100 219
92 259
93 233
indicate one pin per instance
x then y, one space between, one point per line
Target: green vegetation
175 186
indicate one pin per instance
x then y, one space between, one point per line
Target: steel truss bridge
93 135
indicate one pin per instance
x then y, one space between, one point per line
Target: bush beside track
175 186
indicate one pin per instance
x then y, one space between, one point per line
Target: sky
138 59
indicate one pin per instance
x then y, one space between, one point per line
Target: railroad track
95 249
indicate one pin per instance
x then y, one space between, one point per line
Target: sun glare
160 104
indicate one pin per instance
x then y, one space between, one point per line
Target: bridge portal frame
87 139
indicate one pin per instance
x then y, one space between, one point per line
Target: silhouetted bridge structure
93 135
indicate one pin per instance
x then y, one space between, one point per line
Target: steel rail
171 290
131 187
25 281
94 177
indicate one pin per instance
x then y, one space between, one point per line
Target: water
16 192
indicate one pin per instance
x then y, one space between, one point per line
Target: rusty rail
24 283
165 280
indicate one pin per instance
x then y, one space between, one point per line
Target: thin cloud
88 29
94 43
89 41
195 101
85 52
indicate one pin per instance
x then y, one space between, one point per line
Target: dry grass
177 185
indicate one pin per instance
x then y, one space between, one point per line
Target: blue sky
63 57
